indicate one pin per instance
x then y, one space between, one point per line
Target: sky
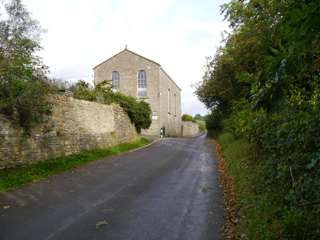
178 34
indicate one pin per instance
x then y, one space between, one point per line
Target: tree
82 90
23 89
264 85
199 117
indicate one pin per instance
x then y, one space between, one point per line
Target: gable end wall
128 65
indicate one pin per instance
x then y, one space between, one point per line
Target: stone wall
74 126
189 129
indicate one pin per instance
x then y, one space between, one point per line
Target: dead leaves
229 195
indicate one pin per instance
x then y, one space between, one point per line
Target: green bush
138 111
199 117
214 121
25 102
287 149
187 118
82 90
23 87
290 145
263 85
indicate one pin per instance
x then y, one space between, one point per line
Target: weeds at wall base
15 177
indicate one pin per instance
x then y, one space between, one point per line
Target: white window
169 101
115 81
142 83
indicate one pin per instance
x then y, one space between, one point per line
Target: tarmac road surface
168 190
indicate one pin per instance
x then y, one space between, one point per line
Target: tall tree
264 85
22 74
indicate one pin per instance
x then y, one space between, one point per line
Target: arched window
142 83
115 81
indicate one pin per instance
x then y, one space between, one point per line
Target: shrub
187 118
138 112
199 117
25 102
82 90
214 121
286 145
59 85
289 142
23 89
263 85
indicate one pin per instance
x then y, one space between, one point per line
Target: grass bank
255 209
15 177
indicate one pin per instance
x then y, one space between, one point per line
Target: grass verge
254 209
15 177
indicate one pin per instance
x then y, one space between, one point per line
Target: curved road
166 191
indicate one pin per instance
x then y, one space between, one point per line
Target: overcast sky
178 34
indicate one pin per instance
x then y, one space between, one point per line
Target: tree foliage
199 117
187 118
263 84
23 88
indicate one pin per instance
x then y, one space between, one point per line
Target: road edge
144 146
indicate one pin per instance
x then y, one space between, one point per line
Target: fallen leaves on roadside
101 223
229 195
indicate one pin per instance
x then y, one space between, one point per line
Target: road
169 190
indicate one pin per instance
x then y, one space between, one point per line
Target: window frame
142 84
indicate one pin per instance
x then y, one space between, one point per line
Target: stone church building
144 79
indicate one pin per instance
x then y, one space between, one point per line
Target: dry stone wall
74 126
189 129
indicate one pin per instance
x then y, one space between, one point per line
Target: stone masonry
163 94
74 126
190 129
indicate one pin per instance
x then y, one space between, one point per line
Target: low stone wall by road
189 129
74 126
